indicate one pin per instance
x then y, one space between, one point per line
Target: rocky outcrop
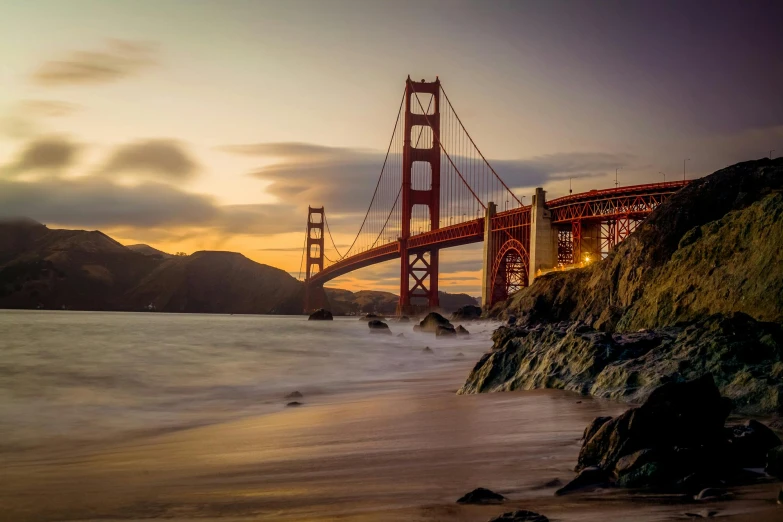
467 313
321 315
445 331
744 356
676 440
712 247
461 330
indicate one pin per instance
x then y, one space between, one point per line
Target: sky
212 125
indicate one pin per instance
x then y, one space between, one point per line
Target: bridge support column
543 237
489 257
315 257
419 269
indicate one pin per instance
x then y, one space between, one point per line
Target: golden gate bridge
437 190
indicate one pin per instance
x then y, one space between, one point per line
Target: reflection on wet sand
406 453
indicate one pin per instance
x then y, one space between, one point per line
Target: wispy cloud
119 59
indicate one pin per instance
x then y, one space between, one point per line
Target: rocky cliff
697 289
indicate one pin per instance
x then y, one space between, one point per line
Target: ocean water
93 375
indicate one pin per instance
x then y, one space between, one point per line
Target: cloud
48 108
46 153
343 179
97 203
118 60
158 158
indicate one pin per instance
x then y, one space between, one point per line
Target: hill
345 302
148 250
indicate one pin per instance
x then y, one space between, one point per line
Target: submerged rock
377 326
481 496
588 478
520 515
321 315
427 349
293 404
294 395
467 313
369 317
461 330
403 319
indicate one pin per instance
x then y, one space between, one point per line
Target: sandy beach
405 453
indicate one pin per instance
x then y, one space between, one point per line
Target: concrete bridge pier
543 236
489 249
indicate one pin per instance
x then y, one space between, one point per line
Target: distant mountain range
88 270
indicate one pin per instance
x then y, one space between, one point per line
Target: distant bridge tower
315 256
419 268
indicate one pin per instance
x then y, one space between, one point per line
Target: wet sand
405 451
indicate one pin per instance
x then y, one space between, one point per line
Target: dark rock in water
749 444
594 426
431 322
293 404
460 354
427 349
368 317
481 496
403 319
520 515
554 483
467 313
592 477
461 330
400 335
780 496
774 463
294 395
377 326
445 331
706 513
321 315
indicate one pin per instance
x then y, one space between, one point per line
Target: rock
709 494
461 330
774 462
594 426
520 515
481 496
750 442
400 335
460 354
403 319
554 483
377 326
705 513
592 477
467 313
321 315
512 320
369 317
431 322
780 496
427 349
293 404
683 415
445 331
294 395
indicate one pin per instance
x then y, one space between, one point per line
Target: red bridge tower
419 268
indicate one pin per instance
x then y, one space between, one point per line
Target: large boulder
481 496
676 440
431 322
682 415
774 463
321 315
467 313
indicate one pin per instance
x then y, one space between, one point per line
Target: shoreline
399 454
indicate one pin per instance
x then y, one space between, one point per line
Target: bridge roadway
633 202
